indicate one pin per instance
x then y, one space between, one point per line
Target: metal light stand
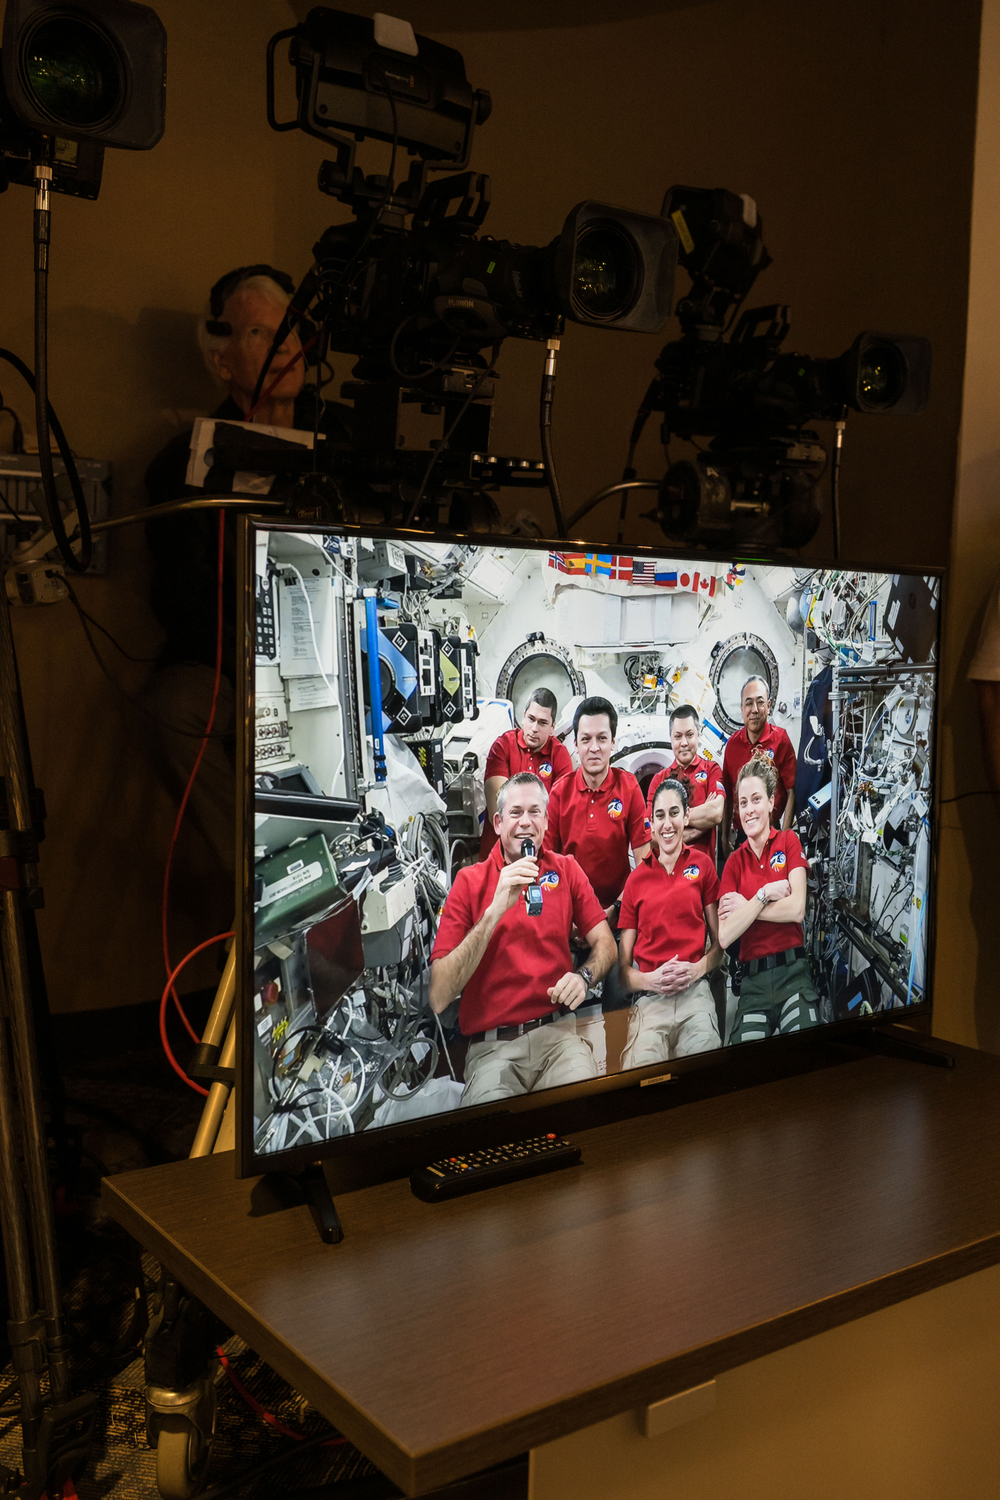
57 1434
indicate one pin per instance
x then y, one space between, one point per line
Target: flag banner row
647 572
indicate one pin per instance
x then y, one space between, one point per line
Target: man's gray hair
523 778
763 682
210 343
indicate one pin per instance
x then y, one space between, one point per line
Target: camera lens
881 376
74 72
607 272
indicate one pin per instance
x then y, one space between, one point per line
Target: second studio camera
729 379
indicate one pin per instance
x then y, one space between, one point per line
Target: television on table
392 684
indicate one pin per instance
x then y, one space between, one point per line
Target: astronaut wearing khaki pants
513 967
670 941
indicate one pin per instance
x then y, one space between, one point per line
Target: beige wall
967 1007
852 125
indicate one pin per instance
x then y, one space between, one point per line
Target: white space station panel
617 622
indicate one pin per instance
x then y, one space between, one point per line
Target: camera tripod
56 1433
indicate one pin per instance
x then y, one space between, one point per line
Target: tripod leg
24 1326
218 1098
64 1431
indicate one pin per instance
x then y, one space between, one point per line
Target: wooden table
441 1339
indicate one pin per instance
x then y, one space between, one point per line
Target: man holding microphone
503 944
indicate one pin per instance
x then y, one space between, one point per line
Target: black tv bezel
392 1151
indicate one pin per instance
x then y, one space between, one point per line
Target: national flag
622 569
707 586
567 562
643 570
600 564
665 579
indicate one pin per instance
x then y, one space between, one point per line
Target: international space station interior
385 671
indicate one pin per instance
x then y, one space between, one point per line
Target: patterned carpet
124 1108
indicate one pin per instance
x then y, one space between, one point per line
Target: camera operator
532 748
706 790
513 970
757 738
245 308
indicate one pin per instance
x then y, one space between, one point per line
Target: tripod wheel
182 1455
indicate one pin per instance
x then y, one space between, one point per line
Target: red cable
269 1417
187 791
220 937
266 395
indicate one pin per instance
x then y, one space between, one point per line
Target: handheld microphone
533 893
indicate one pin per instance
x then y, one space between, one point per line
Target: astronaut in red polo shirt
762 901
532 748
513 969
670 941
598 813
761 738
703 779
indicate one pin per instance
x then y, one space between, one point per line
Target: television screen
528 817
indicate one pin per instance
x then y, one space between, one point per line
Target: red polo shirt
526 955
667 910
510 755
745 873
598 828
776 745
703 779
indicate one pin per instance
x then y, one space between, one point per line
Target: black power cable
51 421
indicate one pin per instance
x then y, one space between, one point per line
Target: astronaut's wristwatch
762 896
587 975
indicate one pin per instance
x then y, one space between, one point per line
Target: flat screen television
379 671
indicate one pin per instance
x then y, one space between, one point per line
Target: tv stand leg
891 1044
316 1191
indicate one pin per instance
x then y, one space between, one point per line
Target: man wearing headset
246 307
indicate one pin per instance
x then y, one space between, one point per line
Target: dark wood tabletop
444 1338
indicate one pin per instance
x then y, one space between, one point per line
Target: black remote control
454 1175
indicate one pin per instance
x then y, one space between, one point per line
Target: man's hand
513 880
730 902
570 991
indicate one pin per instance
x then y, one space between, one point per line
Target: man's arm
707 814
492 790
450 974
571 989
789 813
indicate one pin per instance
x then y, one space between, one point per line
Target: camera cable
78 562
443 444
545 426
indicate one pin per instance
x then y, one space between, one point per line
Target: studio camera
728 378
78 79
414 289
